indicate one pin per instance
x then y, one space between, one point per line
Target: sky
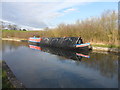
40 14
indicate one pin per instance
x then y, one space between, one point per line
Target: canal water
45 67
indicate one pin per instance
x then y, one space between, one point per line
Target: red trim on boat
36 40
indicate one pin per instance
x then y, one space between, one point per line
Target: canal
45 67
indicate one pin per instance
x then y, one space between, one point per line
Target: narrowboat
63 42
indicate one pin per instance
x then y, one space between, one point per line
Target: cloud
69 10
35 14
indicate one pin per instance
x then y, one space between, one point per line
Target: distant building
24 30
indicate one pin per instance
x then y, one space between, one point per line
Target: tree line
95 29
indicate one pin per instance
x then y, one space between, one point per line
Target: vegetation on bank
5 82
103 29
107 46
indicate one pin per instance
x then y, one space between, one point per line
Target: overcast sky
41 14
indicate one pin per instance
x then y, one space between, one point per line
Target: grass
19 34
107 46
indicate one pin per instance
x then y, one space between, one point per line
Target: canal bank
95 47
15 39
9 80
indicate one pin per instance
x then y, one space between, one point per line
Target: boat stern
34 39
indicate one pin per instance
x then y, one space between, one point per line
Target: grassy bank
8 78
5 82
19 34
106 46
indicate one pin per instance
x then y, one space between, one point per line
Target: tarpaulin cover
61 42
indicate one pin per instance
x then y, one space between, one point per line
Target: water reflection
107 64
52 67
61 52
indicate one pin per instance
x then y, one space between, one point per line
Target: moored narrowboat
63 42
